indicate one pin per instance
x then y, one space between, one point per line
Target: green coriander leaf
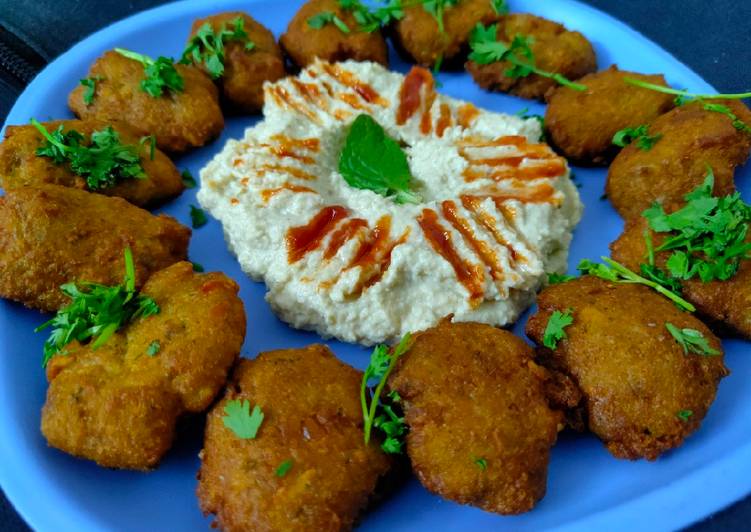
188 180
198 217
682 93
500 7
154 348
90 84
160 74
371 160
639 135
554 331
437 8
284 468
481 463
197 267
684 415
240 420
738 124
151 139
327 17
557 278
691 340
524 113
207 47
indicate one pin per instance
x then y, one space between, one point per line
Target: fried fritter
726 304
418 34
692 139
480 425
118 404
303 44
555 49
313 421
581 124
245 71
635 377
20 166
179 120
50 235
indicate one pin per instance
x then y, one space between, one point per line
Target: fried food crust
555 49
310 401
471 391
692 139
179 120
581 124
245 71
634 376
117 405
724 304
51 235
417 33
20 166
303 43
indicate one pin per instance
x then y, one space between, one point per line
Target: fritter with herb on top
178 104
50 235
284 448
480 426
689 139
239 54
330 30
109 159
529 56
116 402
582 124
648 371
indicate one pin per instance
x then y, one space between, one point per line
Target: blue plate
587 488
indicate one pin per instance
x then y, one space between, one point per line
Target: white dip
512 201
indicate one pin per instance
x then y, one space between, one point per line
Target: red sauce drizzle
466 114
291 170
345 77
344 234
286 146
374 255
268 193
472 204
543 193
444 121
306 238
409 94
426 123
470 275
283 98
483 250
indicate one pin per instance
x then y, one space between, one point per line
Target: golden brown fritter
179 120
480 425
634 376
726 304
303 43
245 71
581 124
311 405
418 34
692 139
555 49
117 404
20 166
50 235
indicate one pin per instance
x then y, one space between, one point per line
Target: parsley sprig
691 340
323 18
240 420
639 135
207 46
382 362
557 278
161 74
90 84
102 163
486 49
555 329
738 124
437 8
684 94
96 312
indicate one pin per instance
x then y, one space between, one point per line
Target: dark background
712 38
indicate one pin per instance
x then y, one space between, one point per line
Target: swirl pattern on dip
498 208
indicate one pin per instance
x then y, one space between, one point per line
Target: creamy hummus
497 215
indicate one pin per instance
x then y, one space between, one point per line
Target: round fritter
581 124
21 166
726 304
418 34
303 43
480 425
634 376
118 404
179 120
693 138
312 425
555 49
51 235
245 70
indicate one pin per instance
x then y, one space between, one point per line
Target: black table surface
710 37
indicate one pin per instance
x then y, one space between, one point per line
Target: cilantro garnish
382 362
554 331
640 135
323 18
653 273
188 180
154 348
198 217
683 415
161 74
198 268
240 420
691 340
616 272
557 278
525 114
707 237
481 463
96 312
102 163
738 124
371 160
684 94
370 20
437 8
500 7
90 84
207 46
284 468
151 139
486 49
